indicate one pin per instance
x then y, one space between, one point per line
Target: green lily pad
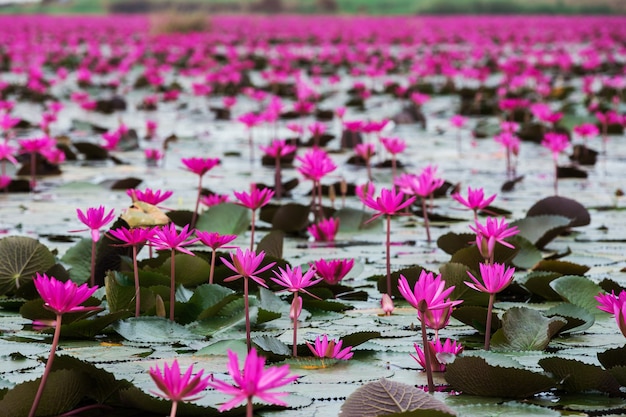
526 329
611 358
475 376
225 219
562 267
578 319
456 274
506 409
536 228
190 270
538 283
471 256
272 244
272 347
385 397
476 316
528 255
354 221
577 376
78 257
291 218
579 291
154 330
222 346
22 257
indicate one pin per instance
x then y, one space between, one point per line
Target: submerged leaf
385 397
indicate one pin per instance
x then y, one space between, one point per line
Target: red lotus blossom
450 347
555 142
111 139
278 149
332 349
36 145
214 199
491 232
365 150
315 164
154 197
214 240
325 230
386 303
317 128
393 145
7 153
423 184
7 122
255 199
176 387
586 130
253 381
615 305
333 271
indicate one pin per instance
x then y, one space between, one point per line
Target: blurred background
373 7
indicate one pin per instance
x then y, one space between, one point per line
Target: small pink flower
167 238
325 230
214 199
176 387
214 240
437 348
555 142
200 166
458 121
36 145
386 303
294 280
616 305
246 265
53 155
7 153
111 139
393 145
253 381
278 149
586 130
475 199
429 293
154 197
491 232
422 185
333 271
153 155
5 180
317 128
133 236
315 164
365 150
255 199
94 218
330 349
229 101
388 203
509 141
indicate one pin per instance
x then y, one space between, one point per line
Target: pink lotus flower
111 140
154 197
294 280
429 293
476 200
437 348
586 130
419 98
315 164
63 297
7 153
54 155
214 199
168 238
394 145
389 202
229 102
317 128
253 381
615 305
215 241
333 271
458 121
200 166
246 265
325 230
422 185
36 145
95 219
177 388
491 232
60 298
278 148
555 142
5 180
495 278
7 122
255 199
330 349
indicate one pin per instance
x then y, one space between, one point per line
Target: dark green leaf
153 330
272 244
528 255
527 329
536 228
579 291
476 317
538 283
22 257
452 242
562 267
78 257
272 346
456 274
613 357
353 220
578 319
190 270
291 218
225 219
577 376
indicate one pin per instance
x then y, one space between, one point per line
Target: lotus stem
137 288
246 302
388 247
429 371
92 278
492 298
46 372
426 225
172 285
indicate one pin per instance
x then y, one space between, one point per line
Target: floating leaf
153 330
526 329
578 376
475 376
210 298
476 317
510 409
222 346
385 397
353 220
271 306
272 243
562 267
613 357
273 346
456 274
190 270
22 257
123 184
619 373
78 257
225 219
142 214
528 255
357 338
291 217
91 151
561 206
578 319
538 283
472 258
536 228
452 242
411 274
578 290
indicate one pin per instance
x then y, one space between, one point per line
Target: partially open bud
387 304
296 307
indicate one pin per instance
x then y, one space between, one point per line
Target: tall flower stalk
556 143
389 203
495 278
277 150
215 241
167 238
246 265
429 294
60 298
254 200
199 166
94 218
